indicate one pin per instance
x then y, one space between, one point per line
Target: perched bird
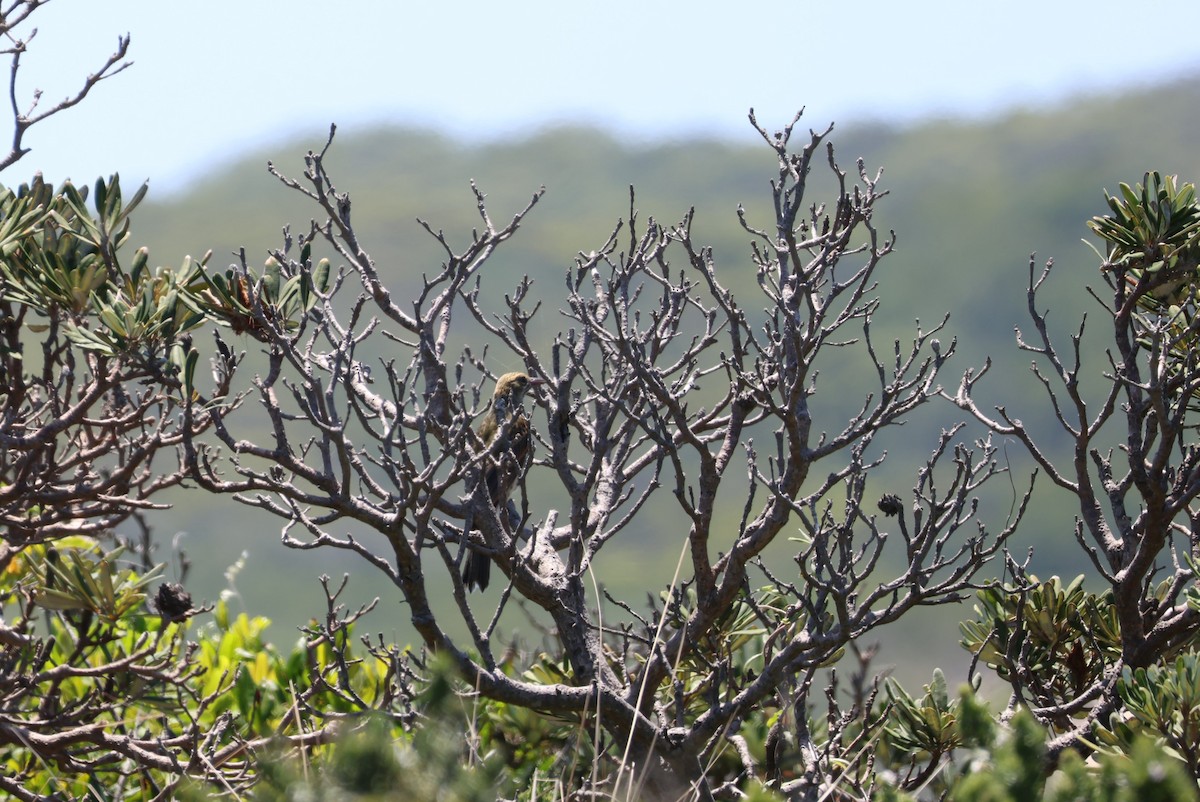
511 461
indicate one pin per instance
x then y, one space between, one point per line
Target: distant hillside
970 202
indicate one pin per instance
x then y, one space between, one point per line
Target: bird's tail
477 571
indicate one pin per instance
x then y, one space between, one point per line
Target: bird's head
511 388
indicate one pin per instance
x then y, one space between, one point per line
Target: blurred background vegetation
970 202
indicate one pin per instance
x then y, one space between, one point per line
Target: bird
511 461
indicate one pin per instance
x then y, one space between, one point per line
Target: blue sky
212 80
